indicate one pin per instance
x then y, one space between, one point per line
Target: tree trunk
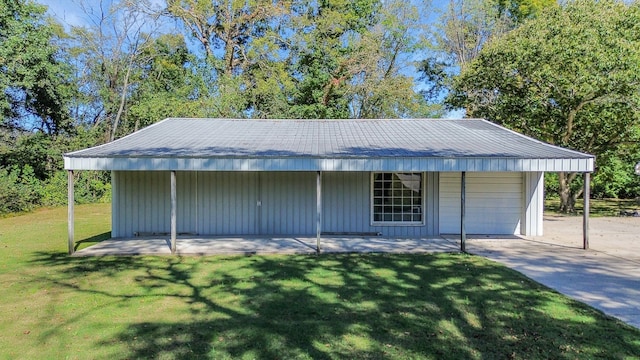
567 196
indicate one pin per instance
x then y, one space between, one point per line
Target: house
395 178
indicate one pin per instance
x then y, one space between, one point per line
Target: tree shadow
372 306
92 240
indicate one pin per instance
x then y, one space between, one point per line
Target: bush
90 187
20 190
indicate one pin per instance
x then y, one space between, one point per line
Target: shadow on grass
92 240
446 306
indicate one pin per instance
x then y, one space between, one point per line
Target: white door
493 202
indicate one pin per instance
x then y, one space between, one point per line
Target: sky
68 12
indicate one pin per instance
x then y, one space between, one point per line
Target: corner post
173 212
70 218
463 230
586 194
318 209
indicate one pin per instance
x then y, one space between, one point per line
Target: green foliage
20 190
615 176
520 10
569 77
35 79
167 88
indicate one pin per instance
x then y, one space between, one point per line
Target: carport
395 179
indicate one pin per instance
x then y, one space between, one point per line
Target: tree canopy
563 72
35 79
570 77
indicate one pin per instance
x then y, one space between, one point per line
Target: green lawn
446 306
597 207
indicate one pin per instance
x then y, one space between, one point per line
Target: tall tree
325 43
570 77
168 85
35 80
111 51
464 27
380 86
241 41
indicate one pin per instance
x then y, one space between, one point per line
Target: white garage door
493 203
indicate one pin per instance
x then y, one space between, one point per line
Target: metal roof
328 145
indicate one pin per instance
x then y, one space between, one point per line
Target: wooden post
318 209
585 216
463 230
173 212
70 218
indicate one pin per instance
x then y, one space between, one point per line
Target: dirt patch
619 236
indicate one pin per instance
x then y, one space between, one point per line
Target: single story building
394 178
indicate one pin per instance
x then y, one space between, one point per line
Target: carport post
463 231
586 194
173 212
70 219
318 209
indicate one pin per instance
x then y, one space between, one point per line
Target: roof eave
409 164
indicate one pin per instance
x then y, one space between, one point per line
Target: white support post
318 210
585 216
463 230
173 212
70 218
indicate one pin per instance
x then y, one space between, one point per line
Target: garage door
493 203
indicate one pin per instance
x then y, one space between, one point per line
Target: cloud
67 12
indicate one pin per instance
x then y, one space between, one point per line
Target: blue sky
68 12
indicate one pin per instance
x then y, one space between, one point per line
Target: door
493 202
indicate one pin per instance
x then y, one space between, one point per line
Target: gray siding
215 203
227 203
533 204
396 164
346 206
288 203
246 203
141 202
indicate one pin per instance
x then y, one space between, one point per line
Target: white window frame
372 198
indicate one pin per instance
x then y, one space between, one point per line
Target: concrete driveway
607 276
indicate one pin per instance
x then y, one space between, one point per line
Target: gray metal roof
326 145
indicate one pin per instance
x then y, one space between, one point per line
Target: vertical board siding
115 207
187 199
494 203
533 204
227 203
141 203
288 203
346 206
345 202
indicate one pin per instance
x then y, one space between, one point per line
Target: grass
597 207
445 306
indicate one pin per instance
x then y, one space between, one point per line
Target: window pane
397 197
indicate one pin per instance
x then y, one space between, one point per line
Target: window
397 198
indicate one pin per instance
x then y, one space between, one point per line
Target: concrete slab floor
607 276
223 245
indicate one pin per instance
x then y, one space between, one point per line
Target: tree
570 77
242 41
111 53
464 27
168 86
35 81
379 86
326 37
